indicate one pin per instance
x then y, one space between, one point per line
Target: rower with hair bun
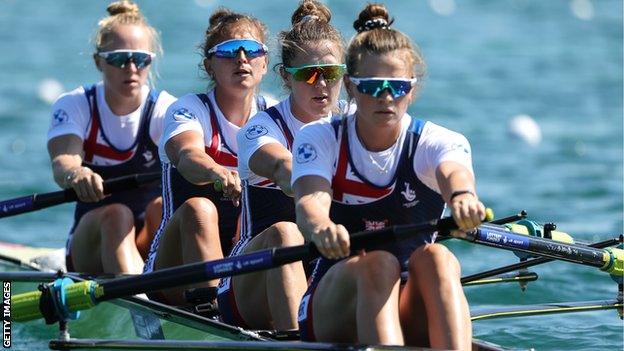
107 130
201 187
312 69
373 169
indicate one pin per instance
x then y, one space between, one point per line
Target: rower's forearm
62 168
454 178
311 215
196 167
282 174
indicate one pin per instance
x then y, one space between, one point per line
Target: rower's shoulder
73 97
188 105
322 128
269 100
435 134
165 98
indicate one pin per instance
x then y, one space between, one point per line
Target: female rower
198 149
376 168
312 69
110 129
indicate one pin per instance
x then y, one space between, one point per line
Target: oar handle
35 202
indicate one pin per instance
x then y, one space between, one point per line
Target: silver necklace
387 163
390 151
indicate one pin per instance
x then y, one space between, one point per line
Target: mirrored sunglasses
311 73
120 58
231 48
374 86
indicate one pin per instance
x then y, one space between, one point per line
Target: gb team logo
255 132
306 153
149 159
60 116
409 195
183 114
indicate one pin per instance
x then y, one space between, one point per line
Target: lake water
558 61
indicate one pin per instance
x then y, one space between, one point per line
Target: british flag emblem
375 225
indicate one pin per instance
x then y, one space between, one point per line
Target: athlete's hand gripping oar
35 202
63 299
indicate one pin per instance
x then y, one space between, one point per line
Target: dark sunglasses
230 48
374 86
120 58
310 73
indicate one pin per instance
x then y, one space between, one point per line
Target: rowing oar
36 202
514 238
526 264
64 298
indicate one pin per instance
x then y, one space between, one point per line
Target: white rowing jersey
264 130
317 150
190 113
71 115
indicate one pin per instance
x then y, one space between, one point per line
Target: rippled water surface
558 61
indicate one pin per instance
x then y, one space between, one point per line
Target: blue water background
487 62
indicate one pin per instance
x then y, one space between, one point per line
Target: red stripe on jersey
264 182
222 158
341 185
92 148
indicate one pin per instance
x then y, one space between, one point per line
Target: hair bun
310 10
121 7
218 16
373 16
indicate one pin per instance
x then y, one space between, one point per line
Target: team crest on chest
409 195
149 158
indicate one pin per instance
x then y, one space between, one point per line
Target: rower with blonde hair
110 129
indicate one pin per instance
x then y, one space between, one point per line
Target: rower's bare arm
457 185
313 196
66 155
186 151
273 161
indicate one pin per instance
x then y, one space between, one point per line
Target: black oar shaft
202 271
496 236
253 262
527 264
35 202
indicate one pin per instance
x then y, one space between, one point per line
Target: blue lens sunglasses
230 48
121 58
374 86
